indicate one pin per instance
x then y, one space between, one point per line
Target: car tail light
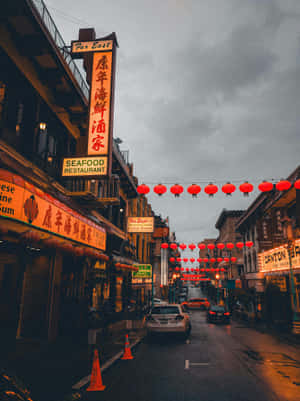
226 313
211 312
149 318
179 317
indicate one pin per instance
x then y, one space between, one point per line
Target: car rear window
218 309
165 310
197 300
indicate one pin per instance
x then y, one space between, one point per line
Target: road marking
187 364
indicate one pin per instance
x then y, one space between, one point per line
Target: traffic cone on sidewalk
96 379
127 352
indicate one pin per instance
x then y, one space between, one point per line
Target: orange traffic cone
96 379
127 352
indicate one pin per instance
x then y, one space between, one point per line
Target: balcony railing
56 36
95 191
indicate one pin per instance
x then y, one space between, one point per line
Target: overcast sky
206 90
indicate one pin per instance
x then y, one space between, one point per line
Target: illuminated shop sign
79 47
278 258
22 201
84 166
140 224
145 271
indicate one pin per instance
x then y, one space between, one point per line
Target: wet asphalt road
225 363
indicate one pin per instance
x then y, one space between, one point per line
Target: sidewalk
50 370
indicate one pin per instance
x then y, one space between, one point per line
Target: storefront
46 252
275 266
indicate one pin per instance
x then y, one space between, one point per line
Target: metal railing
104 188
124 154
56 36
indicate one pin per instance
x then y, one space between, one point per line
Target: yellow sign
278 258
84 166
26 203
280 281
92 46
100 99
140 224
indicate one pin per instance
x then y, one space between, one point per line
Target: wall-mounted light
121 210
43 126
50 159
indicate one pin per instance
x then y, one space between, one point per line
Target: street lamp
289 235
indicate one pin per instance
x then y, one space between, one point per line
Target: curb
105 366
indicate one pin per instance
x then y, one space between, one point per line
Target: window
166 310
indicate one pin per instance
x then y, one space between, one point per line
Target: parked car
157 301
197 303
169 318
218 314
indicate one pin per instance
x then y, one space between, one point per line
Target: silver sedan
168 318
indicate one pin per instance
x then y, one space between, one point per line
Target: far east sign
140 224
145 271
84 166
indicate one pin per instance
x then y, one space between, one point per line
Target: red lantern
265 186
160 189
187 270
176 189
194 190
211 246
230 245
192 247
143 189
199 260
226 260
182 269
249 244
203 270
220 245
212 260
211 189
228 188
233 259
164 245
177 269
217 270
185 260
173 246
283 185
246 188
222 269
219 260
239 245
205 260
207 270
297 184
201 246
182 246
178 259
192 260
192 270
172 260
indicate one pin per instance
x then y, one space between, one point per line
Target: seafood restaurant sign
100 126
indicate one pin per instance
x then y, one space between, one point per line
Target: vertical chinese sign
100 128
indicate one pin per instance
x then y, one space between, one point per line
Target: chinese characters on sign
31 205
140 224
99 122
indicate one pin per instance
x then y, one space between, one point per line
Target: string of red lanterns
210 246
227 189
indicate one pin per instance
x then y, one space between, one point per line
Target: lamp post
289 235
